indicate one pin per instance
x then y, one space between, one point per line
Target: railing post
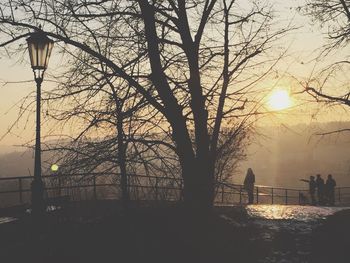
271 195
20 190
257 195
222 194
156 190
181 190
299 194
286 197
59 185
339 195
240 194
95 193
128 188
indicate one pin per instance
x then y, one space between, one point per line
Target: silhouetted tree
325 86
198 61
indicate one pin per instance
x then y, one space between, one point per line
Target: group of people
325 191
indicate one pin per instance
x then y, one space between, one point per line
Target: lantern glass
40 47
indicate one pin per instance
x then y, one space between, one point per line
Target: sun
279 100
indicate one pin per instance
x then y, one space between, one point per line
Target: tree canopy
192 65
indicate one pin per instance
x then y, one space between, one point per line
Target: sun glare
279 100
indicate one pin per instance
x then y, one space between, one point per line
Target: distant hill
4 149
16 163
19 162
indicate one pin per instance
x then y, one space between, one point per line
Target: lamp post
40 47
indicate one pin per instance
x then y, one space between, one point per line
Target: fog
282 155
279 156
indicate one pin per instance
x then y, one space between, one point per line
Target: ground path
287 229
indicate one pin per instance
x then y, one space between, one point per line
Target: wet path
286 230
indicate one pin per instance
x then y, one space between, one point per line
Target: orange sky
302 44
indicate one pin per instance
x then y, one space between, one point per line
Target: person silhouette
330 189
249 185
320 189
312 188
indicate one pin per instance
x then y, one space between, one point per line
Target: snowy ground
287 229
7 219
292 212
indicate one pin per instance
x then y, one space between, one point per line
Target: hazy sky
302 45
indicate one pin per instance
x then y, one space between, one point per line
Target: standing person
312 188
249 185
320 189
330 193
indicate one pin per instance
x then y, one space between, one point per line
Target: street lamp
40 47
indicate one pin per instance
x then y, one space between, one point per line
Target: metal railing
236 194
93 186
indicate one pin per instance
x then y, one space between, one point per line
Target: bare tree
334 16
331 84
199 62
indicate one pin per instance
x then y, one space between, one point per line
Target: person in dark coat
312 188
249 185
330 189
320 189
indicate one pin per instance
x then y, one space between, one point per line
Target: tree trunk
198 184
198 181
198 192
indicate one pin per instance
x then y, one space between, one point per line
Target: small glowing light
54 167
279 100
